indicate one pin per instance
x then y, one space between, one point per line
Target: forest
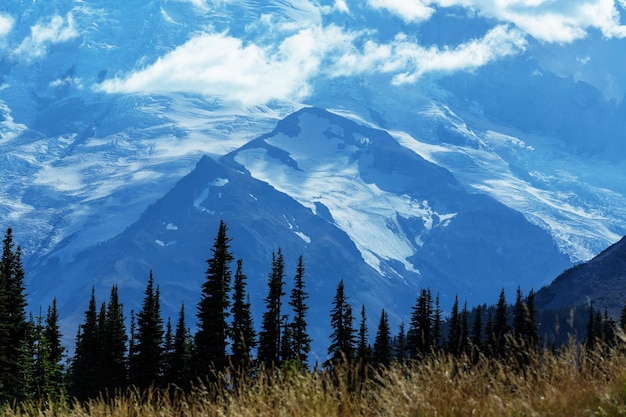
164 360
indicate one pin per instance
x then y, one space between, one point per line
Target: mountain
600 281
354 202
499 130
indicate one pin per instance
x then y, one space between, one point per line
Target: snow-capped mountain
487 134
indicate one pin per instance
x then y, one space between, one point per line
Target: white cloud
222 66
559 21
408 10
57 30
6 24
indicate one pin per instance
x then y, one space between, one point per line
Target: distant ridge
601 281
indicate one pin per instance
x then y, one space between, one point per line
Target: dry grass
572 383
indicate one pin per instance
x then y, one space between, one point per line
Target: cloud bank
285 57
559 21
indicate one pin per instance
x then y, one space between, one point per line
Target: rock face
600 281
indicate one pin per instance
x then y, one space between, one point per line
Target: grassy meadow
573 382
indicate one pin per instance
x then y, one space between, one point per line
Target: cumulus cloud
6 24
223 66
559 21
57 30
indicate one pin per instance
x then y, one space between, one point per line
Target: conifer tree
363 354
168 353
501 327
401 344
52 334
242 330
382 343
343 336
211 337
622 318
84 382
420 334
269 338
148 356
454 329
301 339
477 330
113 358
437 320
464 318
180 363
15 360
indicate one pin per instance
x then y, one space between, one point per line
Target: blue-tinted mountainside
427 231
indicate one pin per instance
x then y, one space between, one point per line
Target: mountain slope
601 281
355 203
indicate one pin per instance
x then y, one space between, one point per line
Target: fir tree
84 382
400 351
382 343
363 354
148 356
52 334
15 359
454 329
180 362
301 339
343 336
464 318
476 336
211 337
501 327
242 331
269 339
113 340
420 334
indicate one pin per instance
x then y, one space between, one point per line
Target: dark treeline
109 357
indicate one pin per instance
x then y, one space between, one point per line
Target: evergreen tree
454 329
437 320
269 339
343 336
501 327
15 359
242 331
287 344
363 353
622 318
52 335
531 329
84 382
43 369
401 344
180 362
477 330
420 335
464 318
211 337
382 343
113 341
168 353
148 356
301 339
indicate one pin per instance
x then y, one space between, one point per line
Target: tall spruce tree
242 330
454 328
420 335
400 351
363 351
148 356
52 333
342 339
501 328
464 318
84 382
301 339
382 343
270 336
211 336
113 358
15 360
180 362
476 335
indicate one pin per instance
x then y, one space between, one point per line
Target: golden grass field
571 383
